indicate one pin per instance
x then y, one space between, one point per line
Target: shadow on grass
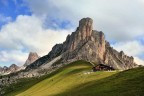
127 83
26 83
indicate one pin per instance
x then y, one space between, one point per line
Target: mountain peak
13 65
32 57
13 68
85 28
89 45
6 70
85 22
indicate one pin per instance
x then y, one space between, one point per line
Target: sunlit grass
73 80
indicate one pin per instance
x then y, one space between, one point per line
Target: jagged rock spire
90 45
33 56
6 70
85 27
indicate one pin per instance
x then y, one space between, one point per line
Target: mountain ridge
32 57
90 45
83 44
7 70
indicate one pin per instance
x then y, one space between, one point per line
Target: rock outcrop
33 56
10 69
13 68
1 69
90 45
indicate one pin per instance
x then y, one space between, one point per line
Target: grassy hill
73 80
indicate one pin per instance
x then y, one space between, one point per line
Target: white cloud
13 56
27 33
139 61
121 20
131 48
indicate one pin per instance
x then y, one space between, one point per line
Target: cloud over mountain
27 34
51 20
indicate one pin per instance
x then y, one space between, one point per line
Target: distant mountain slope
33 56
6 70
75 79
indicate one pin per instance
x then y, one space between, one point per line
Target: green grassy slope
127 83
24 84
57 82
71 81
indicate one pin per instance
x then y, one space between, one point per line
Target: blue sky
37 25
13 8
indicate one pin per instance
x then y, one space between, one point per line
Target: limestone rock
33 56
1 69
7 70
85 28
90 45
13 68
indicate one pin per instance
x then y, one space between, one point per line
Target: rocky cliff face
33 56
7 70
90 45
13 68
1 69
